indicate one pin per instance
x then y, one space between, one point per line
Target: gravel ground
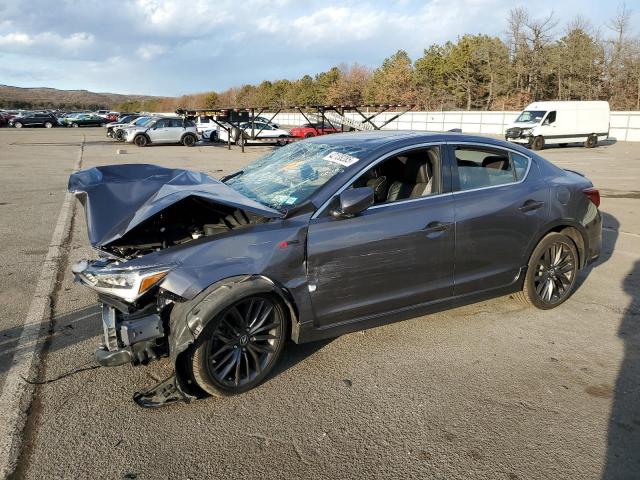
491 390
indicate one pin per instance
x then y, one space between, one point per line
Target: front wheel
74 125
48 125
240 347
140 141
282 141
17 125
537 143
551 272
591 141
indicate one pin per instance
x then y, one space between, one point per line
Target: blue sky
185 46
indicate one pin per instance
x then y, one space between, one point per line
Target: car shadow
65 330
295 353
623 442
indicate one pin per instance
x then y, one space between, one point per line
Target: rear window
521 163
482 167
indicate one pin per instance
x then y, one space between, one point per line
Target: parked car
322 237
120 123
47 120
120 132
84 120
112 116
163 130
561 123
262 131
313 130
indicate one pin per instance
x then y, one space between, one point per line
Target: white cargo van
560 123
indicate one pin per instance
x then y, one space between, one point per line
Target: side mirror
353 201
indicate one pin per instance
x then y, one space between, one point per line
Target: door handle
530 206
434 227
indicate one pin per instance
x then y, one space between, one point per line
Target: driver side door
394 255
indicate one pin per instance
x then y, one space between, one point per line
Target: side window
161 123
412 174
521 163
480 167
175 122
550 118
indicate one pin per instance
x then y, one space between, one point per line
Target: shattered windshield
530 116
290 175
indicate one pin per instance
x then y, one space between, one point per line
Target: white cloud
150 51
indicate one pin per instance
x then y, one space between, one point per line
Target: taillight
593 194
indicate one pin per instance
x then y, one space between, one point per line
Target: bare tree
539 35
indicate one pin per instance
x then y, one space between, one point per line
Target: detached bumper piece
164 393
129 338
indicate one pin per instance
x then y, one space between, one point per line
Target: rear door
500 204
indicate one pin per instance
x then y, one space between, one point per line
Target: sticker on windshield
341 158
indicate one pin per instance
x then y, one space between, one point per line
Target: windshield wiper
233 175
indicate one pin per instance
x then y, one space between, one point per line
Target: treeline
537 59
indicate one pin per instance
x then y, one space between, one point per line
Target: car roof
379 141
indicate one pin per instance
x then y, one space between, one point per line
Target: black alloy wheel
241 347
551 273
140 141
189 141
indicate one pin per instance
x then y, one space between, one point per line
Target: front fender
189 319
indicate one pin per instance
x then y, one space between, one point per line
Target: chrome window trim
322 207
497 147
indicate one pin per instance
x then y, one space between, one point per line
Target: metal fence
625 126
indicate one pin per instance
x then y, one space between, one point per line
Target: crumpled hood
117 198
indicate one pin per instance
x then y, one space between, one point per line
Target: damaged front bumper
136 338
133 326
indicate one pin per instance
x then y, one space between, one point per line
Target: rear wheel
538 143
308 135
591 141
48 124
240 346
188 140
74 125
551 272
141 141
282 141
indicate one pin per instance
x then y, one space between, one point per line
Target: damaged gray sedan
320 238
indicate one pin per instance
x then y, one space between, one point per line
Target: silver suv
163 130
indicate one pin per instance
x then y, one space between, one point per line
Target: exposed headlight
125 283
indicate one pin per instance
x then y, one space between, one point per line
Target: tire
224 353
309 135
140 141
551 273
119 135
17 125
282 141
591 141
48 125
74 125
189 140
537 143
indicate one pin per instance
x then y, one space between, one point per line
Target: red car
312 130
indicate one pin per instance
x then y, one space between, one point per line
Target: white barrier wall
625 126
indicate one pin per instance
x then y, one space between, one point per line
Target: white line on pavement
15 397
